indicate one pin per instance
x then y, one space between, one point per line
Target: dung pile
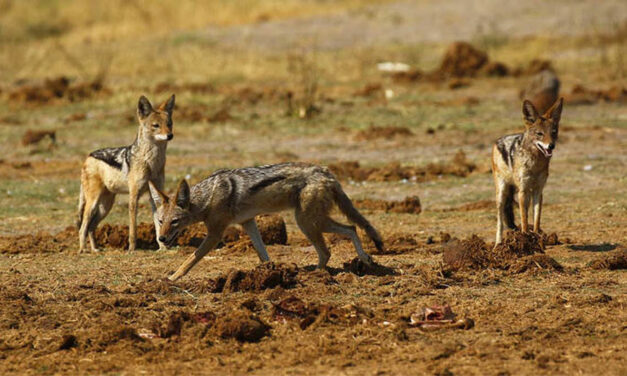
59 88
616 261
411 205
517 253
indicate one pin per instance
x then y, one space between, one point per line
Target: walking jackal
237 196
126 169
520 163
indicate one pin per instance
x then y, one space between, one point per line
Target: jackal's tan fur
237 196
127 169
520 163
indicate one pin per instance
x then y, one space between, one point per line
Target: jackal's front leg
537 211
133 196
159 183
523 202
207 244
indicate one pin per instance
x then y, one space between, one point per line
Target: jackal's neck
146 143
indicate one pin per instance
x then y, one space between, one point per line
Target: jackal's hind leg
105 203
251 229
315 237
338 228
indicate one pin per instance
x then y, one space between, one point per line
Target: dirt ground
411 149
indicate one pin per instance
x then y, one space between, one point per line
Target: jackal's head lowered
542 130
156 123
173 215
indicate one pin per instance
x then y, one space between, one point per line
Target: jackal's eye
160 222
155 125
539 134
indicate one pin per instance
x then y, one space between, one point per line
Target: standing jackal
520 163
126 169
237 196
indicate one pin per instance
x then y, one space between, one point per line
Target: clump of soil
518 252
582 95
409 76
241 325
550 239
265 276
32 137
411 205
180 320
495 69
59 88
374 132
617 261
535 262
272 228
370 90
462 60
458 166
360 268
203 114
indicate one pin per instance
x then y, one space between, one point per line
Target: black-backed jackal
126 169
237 196
520 163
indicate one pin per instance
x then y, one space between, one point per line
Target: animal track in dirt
458 166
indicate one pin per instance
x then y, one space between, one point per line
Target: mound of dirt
31 137
535 262
458 166
495 69
374 132
542 90
518 252
59 88
582 95
180 320
265 276
617 261
462 60
411 205
272 228
360 268
242 326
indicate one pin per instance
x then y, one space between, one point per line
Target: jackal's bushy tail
509 207
81 208
346 207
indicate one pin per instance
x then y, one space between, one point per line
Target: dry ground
113 312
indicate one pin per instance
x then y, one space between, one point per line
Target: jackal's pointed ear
555 112
157 196
167 106
530 114
144 108
182 195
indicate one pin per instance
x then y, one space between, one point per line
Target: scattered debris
439 317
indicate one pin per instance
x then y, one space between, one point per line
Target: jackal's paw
96 250
162 248
367 259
